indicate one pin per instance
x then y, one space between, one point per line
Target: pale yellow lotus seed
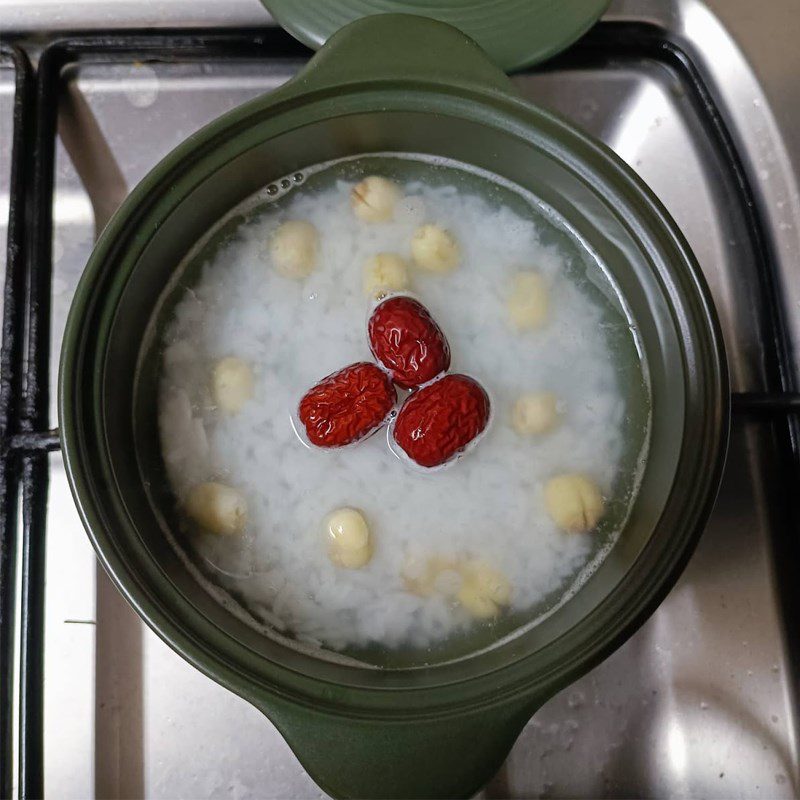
295 249
534 413
417 577
476 603
217 508
528 301
574 502
448 582
383 273
420 575
484 590
349 539
435 249
488 580
374 199
231 384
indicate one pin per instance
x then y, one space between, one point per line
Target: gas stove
701 99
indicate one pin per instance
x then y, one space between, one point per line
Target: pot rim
627 604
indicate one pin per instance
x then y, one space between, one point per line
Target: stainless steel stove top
701 701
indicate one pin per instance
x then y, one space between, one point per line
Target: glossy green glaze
441 730
513 33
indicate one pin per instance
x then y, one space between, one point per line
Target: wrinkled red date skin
438 421
404 337
347 405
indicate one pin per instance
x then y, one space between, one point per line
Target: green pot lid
514 33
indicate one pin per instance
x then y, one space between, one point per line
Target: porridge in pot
398 402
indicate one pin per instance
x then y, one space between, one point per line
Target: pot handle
385 47
450 755
438 757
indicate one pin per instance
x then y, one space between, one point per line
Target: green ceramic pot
442 730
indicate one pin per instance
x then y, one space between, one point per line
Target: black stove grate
12 373
25 433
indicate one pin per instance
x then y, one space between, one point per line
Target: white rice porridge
487 505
